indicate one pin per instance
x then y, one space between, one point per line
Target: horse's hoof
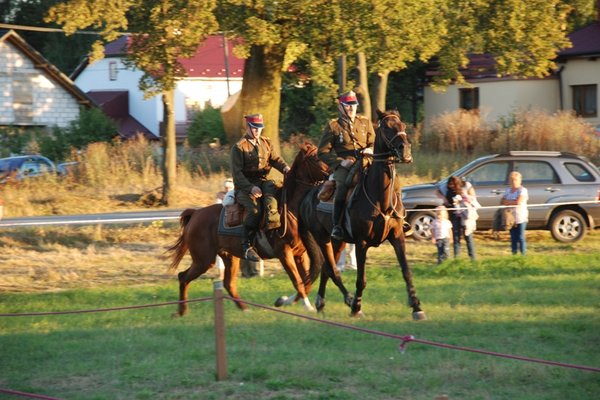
348 300
358 314
281 301
309 308
419 316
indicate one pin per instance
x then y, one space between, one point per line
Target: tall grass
467 132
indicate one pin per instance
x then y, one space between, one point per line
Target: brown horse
199 235
374 214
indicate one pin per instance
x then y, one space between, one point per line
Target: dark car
17 168
566 187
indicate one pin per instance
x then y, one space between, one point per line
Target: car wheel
567 226
421 225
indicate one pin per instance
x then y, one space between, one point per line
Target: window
584 100
22 92
493 173
469 99
112 70
536 172
579 172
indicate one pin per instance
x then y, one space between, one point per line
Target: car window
493 173
30 168
579 172
536 172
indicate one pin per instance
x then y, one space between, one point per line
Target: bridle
391 155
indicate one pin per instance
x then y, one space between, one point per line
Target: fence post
220 330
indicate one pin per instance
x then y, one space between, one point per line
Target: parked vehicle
566 186
17 168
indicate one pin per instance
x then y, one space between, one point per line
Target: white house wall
189 92
97 77
200 91
496 98
580 72
42 102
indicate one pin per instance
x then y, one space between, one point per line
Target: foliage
65 52
206 126
524 36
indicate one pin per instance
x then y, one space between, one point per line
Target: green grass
545 306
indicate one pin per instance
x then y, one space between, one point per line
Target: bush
206 126
466 132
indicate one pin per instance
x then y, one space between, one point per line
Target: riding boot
248 251
273 217
337 232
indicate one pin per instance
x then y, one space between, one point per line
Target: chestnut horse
374 214
199 235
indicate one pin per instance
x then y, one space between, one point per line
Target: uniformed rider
343 141
252 157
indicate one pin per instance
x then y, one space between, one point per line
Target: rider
251 160
343 140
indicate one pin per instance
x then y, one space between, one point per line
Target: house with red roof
572 86
213 74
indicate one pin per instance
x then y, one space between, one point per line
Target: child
441 232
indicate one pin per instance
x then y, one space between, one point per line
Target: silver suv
566 186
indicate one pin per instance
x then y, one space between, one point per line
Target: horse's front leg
361 280
330 271
413 301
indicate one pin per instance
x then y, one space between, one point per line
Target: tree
275 34
163 32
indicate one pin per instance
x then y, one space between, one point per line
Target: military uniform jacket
337 144
251 164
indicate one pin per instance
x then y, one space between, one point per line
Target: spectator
441 232
227 186
517 196
347 258
460 196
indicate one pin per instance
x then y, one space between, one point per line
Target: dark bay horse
374 214
199 235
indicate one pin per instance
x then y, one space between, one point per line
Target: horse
374 214
199 234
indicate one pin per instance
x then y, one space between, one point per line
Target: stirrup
251 255
337 233
408 230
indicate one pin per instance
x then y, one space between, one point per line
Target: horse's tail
180 247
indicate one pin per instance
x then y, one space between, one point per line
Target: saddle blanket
228 230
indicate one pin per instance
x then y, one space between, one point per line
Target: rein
390 158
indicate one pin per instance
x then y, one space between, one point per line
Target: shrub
206 126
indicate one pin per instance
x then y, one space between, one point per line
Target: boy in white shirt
441 232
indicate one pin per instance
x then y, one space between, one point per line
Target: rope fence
220 333
56 220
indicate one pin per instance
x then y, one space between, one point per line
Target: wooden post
220 330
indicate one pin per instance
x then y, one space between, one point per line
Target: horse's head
390 136
307 168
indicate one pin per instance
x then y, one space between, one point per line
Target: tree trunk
169 145
261 92
363 84
342 73
379 93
